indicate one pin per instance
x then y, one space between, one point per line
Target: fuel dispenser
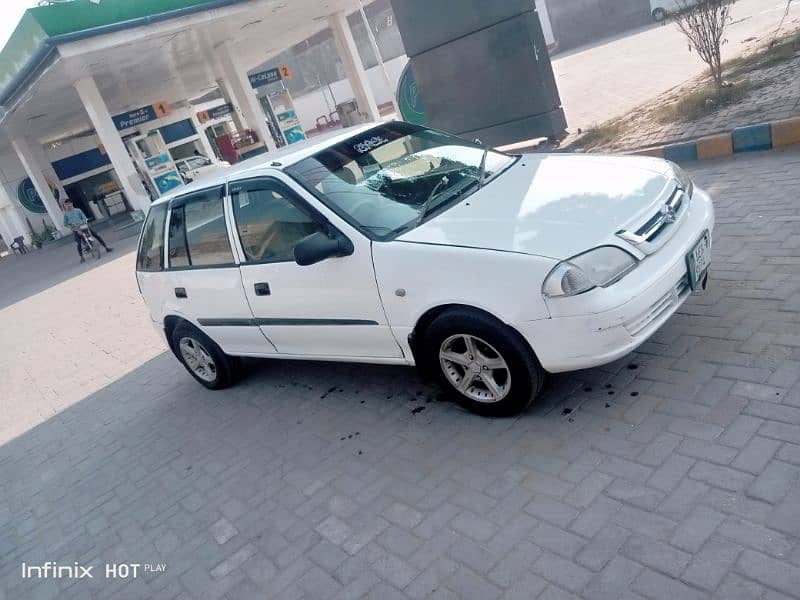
154 162
278 104
282 106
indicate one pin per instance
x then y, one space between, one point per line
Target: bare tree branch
703 22
783 18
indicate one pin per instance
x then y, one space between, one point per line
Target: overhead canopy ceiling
138 52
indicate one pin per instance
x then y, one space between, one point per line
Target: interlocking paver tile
696 528
756 537
603 547
613 581
770 572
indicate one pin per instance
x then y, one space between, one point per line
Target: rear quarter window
151 247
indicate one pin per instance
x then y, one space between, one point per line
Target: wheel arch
170 323
429 316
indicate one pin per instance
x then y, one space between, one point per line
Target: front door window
269 221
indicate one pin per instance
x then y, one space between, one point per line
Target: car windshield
387 180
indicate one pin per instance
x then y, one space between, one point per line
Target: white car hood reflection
552 205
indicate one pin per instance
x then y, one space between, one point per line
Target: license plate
698 261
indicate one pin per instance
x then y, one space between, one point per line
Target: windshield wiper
482 172
425 205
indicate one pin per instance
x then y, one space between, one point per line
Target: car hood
553 205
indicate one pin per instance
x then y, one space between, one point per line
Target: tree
703 22
785 14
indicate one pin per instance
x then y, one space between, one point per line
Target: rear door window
198 236
151 248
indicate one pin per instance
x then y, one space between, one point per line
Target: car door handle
180 292
262 289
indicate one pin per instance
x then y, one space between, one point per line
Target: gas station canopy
92 85
138 52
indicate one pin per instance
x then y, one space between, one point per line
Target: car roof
280 159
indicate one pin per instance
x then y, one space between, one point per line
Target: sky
10 14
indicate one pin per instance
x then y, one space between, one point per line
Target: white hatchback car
661 9
198 165
398 244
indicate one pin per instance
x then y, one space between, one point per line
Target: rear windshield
151 248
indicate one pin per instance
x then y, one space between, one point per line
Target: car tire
482 363
659 15
203 358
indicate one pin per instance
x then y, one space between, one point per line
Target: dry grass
602 134
702 102
779 51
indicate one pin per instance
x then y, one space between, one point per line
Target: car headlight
600 267
684 180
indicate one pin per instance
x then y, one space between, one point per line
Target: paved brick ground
67 330
679 478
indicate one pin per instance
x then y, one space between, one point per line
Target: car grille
658 222
651 235
659 309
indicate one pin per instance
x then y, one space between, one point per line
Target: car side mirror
319 246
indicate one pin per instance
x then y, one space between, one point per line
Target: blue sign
217 112
168 181
157 160
294 134
134 118
179 130
80 163
286 116
408 100
265 77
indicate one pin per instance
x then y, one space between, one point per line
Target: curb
764 136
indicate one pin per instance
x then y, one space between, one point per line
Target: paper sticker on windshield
370 170
369 144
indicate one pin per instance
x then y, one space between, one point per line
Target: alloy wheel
475 368
198 359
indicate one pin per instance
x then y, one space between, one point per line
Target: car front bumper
604 325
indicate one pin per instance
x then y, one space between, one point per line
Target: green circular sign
408 100
29 197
